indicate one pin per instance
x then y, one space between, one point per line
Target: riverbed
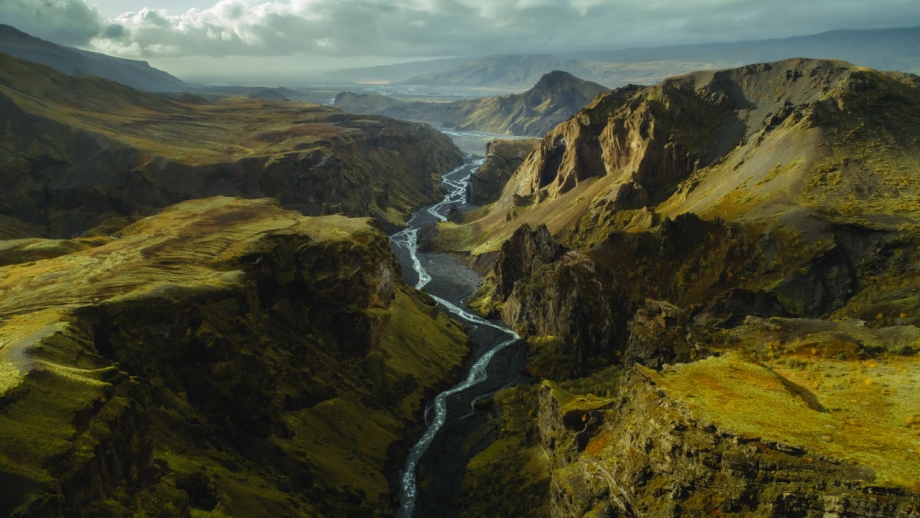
433 473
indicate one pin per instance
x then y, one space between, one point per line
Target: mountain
715 276
555 97
507 71
79 150
136 74
393 73
885 49
224 357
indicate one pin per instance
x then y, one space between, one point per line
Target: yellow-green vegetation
860 412
511 476
225 357
776 190
109 150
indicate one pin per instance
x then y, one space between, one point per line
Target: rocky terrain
554 98
716 274
225 357
502 158
78 150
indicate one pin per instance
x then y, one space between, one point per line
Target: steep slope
76 151
129 72
555 97
503 157
222 358
765 215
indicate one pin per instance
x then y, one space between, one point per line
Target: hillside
555 97
225 357
756 227
78 150
136 74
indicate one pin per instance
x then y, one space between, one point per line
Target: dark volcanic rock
525 252
574 309
502 158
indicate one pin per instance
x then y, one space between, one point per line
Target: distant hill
882 49
129 72
507 71
555 97
394 73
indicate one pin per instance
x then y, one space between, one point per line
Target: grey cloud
68 22
418 28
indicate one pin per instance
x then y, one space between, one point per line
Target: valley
696 296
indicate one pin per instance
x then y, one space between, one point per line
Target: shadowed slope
79 150
225 356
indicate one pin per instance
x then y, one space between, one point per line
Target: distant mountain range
885 49
129 72
556 97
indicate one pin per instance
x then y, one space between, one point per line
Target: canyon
216 307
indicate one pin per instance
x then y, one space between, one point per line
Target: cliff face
503 157
698 439
80 150
756 225
555 97
225 355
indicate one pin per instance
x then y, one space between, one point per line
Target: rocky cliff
77 151
750 233
555 97
224 356
503 157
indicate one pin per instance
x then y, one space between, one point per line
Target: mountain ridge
133 73
730 248
554 97
81 149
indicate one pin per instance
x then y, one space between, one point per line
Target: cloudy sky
211 37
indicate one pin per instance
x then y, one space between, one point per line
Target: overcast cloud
419 28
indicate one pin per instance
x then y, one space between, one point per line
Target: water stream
405 243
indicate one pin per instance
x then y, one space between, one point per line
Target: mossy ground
279 362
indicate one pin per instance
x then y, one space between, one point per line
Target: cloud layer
439 27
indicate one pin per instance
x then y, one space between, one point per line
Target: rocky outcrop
573 315
527 251
225 355
650 452
554 98
767 370
80 150
659 334
502 158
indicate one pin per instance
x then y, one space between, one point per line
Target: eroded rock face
527 251
223 355
575 308
502 158
121 152
658 335
646 454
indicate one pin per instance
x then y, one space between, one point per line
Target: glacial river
449 283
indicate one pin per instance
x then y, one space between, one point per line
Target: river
443 450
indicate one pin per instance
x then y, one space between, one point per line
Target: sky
214 37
